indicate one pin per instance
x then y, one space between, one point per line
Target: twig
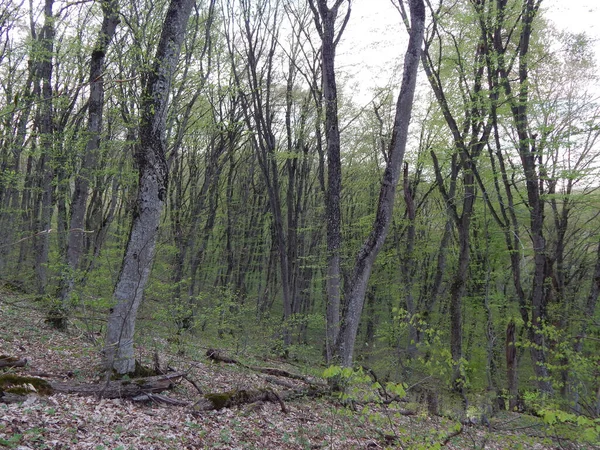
193 383
451 435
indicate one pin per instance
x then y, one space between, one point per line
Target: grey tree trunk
325 20
152 192
9 213
45 170
511 366
355 293
75 241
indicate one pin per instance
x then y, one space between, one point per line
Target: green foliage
13 441
390 332
436 360
363 394
234 298
358 385
572 426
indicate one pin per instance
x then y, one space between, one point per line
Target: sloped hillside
295 414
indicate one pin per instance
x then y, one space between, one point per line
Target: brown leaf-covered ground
72 422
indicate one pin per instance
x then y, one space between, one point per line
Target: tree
325 20
355 291
75 232
469 137
43 206
500 62
152 191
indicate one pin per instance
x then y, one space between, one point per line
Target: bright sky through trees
375 41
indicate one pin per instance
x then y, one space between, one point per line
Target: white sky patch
576 16
374 42
373 45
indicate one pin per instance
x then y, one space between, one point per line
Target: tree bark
355 294
45 170
325 20
152 192
511 366
75 233
408 265
519 105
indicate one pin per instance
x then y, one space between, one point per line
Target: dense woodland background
488 280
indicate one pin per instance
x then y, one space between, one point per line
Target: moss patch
20 385
140 371
226 399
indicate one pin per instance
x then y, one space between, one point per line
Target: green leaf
332 371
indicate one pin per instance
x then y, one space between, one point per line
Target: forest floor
73 422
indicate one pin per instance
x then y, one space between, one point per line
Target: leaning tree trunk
355 296
152 192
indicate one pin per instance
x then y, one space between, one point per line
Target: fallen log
283 373
218 356
284 383
8 398
236 397
122 388
11 361
11 383
159 399
22 385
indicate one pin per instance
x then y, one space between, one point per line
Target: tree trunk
366 257
75 233
45 170
511 366
325 20
407 266
9 210
519 104
152 192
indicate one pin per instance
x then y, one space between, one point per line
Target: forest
201 171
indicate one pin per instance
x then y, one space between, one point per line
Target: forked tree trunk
518 100
152 192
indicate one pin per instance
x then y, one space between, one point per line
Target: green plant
12 442
577 427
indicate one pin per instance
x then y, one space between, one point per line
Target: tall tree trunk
469 139
325 21
9 210
407 266
589 314
152 192
45 170
355 293
519 105
75 234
